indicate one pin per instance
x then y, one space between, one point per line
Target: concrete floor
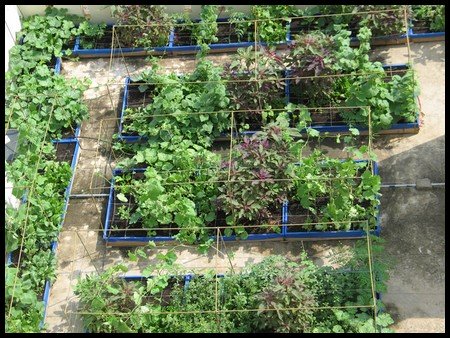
412 220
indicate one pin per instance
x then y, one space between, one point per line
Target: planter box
73 162
190 47
102 48
189 277
285 233
135 240
342 127
394 39
131 98
420 35
333 234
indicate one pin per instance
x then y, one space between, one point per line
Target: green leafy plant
274 295
207 28
189 106
243 26
336 191
252 195
39 104
175 189
90 33
52 101
432 15
143 25
271 29
381 19
255 83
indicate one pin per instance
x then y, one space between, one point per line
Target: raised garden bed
66 151
132 98
296 27
427 23
329 120
298 216
280 220
123 237
273 283
183 42
102 48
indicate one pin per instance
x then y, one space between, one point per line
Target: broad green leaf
121 197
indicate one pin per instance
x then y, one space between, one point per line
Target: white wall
102 13
12 26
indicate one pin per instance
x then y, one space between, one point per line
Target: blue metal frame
345 128
423 37
337 234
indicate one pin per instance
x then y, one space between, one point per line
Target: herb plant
276 285
147 25
433 17
190 106
255 83
252 195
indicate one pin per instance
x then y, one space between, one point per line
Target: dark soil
68 132
65 152
132 230
226 34
301 26
420 26
135 99
274 220
103 42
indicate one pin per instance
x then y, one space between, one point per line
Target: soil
68 132
420 26
173 283
274 220
136 99
298 27
103 42
129 230
226 34
65 152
